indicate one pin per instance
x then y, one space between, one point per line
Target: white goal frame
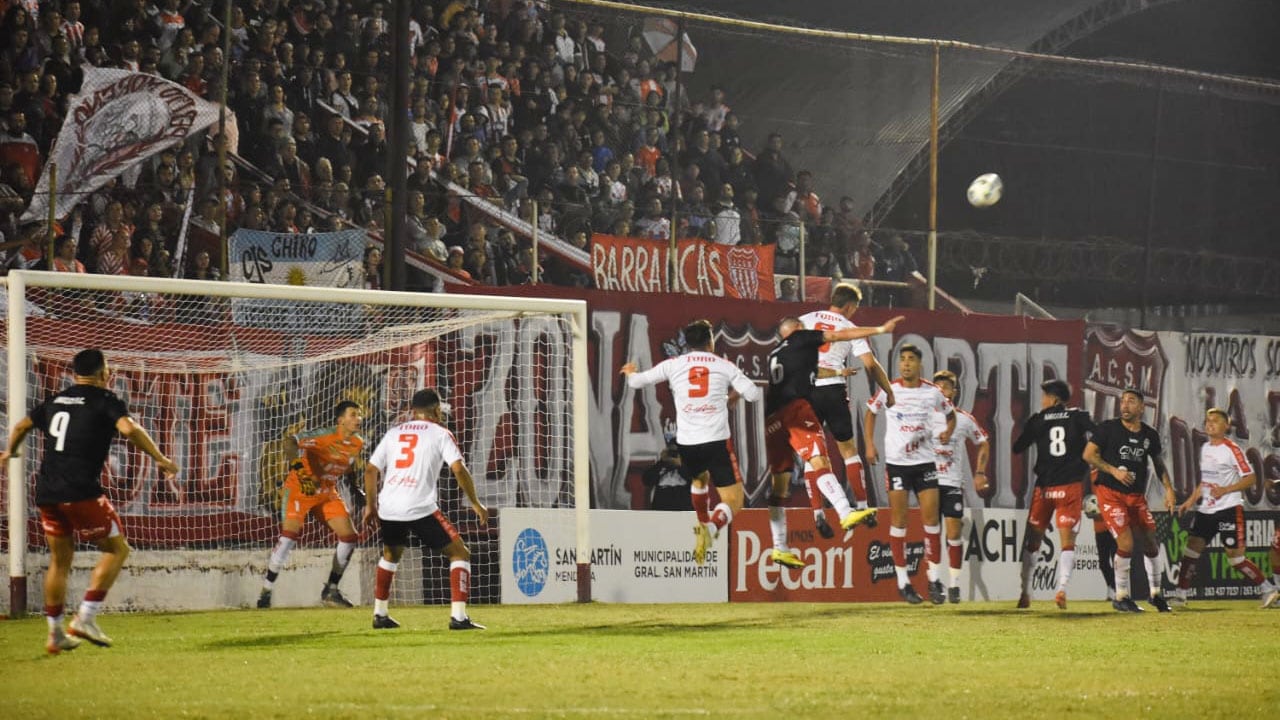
17 283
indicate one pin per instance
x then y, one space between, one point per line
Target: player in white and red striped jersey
909 464
408 461
1224 474
700 382
829 397
952 459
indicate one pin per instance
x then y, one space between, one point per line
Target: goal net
221 374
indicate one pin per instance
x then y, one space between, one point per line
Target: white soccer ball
1091 506
985 190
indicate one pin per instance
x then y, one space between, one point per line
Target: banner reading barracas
636 265
118 119
332 259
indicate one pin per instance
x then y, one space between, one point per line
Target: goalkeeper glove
306 480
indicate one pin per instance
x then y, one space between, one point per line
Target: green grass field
980 660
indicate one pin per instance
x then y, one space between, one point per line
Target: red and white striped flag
119 119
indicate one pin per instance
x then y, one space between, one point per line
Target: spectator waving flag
119 119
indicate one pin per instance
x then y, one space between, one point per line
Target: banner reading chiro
327 259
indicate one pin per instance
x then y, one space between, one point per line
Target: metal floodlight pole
222 136
676 283
1149 236
934 92
398 146
533 237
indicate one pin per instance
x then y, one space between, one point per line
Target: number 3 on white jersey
58 428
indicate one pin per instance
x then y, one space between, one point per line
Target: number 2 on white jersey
58 428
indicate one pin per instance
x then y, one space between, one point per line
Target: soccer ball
1091 506
985 190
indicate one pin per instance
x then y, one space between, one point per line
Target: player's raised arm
140 439
463 476
857 333
744 386
878 374
20 431
636 379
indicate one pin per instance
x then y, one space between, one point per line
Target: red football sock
955 553
700 495
898 545
1187 570
933 543
721 516
382 582
1248 569
460 580
95 595
853 473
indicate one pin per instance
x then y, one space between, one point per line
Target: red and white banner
636 265
118 119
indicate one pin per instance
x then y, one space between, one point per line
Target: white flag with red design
119 119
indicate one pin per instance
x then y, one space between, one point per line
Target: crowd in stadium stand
510 101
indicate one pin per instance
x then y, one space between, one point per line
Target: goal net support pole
381 322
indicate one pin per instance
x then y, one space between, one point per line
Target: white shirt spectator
726 226
565 47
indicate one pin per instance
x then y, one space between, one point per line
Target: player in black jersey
1120 449
791 428
1059 433
79 424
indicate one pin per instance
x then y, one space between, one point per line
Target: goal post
220 373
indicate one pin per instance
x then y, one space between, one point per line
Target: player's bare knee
820 463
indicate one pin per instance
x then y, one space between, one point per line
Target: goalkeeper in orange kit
319 459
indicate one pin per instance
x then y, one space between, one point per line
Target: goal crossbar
17 284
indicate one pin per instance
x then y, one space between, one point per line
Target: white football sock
1155 572
834 494
778 526
1065 564
380 607
1121 569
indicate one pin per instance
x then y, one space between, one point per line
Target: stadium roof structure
1176 158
